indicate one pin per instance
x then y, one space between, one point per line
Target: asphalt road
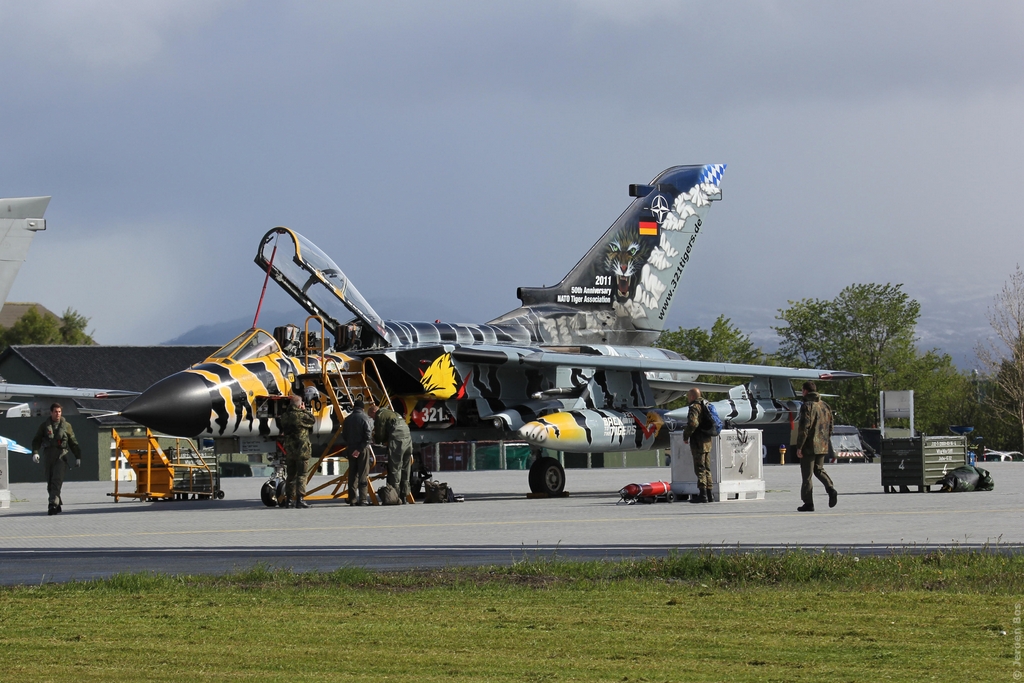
97 537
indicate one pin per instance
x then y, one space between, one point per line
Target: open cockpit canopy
249 344
316 282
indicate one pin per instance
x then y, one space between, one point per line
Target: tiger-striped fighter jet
571 369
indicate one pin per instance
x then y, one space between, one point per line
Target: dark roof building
131 368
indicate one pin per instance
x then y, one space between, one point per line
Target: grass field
693 617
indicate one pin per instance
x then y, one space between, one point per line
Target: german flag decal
648 226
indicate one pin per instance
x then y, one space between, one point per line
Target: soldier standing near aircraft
700 447
56 437
390 428
812 444
295 424
357 431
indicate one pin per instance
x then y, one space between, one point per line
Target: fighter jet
571 369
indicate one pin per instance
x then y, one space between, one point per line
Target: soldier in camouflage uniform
389 428
357 431
812 444
56 437
295 424
700 447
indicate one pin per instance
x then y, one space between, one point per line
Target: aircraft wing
627 364
9 391
43 394
13 446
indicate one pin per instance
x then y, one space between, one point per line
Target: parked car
991 455
848 446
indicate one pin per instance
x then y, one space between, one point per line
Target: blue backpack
710 423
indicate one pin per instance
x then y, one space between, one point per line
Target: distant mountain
389 308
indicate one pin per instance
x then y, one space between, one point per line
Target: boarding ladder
342 385
178 473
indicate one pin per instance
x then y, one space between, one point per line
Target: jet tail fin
20 220
623 288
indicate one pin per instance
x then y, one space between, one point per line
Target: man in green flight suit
56 437
357 431
295 424
700 447
389 428
812 443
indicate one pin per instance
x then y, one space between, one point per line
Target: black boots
300 503
705 496
833 497
806 507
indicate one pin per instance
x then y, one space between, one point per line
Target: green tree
871 329
34 327
1003 357
72 329
723 343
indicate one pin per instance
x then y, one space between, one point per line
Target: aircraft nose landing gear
547 477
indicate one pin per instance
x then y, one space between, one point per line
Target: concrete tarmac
497 524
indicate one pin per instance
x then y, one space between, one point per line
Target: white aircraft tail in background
20 220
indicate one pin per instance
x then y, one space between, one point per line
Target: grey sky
445 153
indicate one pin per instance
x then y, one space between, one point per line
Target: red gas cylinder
654 489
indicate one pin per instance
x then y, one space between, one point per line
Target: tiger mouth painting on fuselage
624 259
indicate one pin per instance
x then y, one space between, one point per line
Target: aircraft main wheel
547 476
268 494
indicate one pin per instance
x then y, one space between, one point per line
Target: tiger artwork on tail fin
622 289
625 256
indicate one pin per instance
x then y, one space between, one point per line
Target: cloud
100 35
136 284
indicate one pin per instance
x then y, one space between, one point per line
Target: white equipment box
5 491
736 469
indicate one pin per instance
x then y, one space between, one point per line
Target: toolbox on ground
921 461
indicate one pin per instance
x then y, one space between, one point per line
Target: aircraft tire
281 493
268 494
547 476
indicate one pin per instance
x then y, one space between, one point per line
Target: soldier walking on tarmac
700 447
389 428
357 430
295 424
55 437
812 443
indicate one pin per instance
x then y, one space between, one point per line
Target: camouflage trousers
701 452
400 465
813 464
359 473
295 478
54 470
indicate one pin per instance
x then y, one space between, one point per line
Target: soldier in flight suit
295 425
357 430
700 448
56 437
390 428
812 444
